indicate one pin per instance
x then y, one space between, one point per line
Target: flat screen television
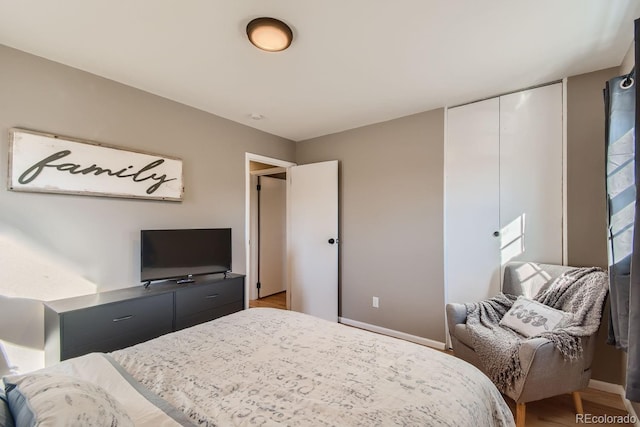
184 253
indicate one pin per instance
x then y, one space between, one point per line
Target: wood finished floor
278 300
555 411
559 410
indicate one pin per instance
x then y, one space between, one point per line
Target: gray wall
101 235
586 193
629 59
391 221
98 238
586 197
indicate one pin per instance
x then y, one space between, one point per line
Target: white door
472 201
273 202
503 188
312 239
531 175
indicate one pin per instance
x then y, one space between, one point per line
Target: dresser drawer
205 297
111 320
204 316
112 326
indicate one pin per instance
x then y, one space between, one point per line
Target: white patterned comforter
275 367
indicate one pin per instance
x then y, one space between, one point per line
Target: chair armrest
528 351
545 373
543 348
456 314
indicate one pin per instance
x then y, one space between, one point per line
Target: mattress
264 367
267 367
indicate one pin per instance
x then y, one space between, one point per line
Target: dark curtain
623 173
621 195
633 357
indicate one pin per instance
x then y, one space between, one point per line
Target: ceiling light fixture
269 34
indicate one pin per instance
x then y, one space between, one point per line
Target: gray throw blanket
581 291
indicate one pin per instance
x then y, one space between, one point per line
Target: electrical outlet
376 302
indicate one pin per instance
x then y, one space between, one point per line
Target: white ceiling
352 62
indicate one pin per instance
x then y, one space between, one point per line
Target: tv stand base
158 310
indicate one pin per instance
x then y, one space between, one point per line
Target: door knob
332 241
496 233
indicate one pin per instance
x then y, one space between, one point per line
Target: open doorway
268 231
311 269
266 212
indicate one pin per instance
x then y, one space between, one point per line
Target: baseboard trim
392 333
605 386
616 389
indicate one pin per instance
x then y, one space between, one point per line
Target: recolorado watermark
605 419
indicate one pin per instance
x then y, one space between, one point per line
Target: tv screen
175 254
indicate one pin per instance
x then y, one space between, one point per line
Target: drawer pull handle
120 319
212 296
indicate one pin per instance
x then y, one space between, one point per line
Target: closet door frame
454 263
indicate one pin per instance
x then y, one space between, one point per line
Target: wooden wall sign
40 162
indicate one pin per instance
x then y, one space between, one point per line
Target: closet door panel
472 201
531 175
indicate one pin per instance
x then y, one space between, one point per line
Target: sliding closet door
531 175
472 199
503 189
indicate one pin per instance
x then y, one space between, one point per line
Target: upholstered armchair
545 373
5 365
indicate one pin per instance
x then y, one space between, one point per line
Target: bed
270 367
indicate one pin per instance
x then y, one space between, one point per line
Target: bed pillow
6 420
55 400
531 318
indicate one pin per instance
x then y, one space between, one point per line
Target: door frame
251 157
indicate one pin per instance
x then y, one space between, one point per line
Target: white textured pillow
46 400
531 318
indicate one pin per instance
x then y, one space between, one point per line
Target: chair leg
577 402
521 412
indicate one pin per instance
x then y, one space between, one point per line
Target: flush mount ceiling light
269 34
